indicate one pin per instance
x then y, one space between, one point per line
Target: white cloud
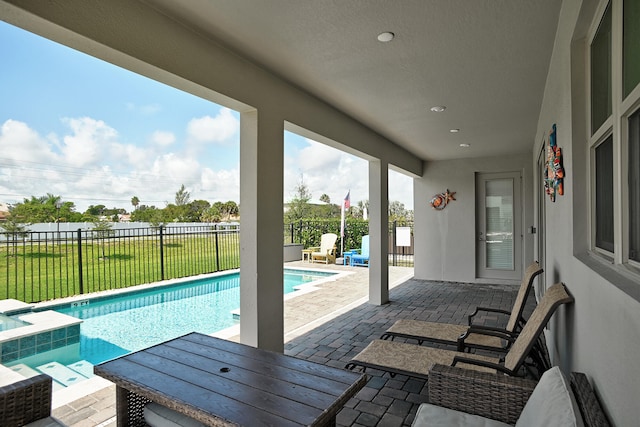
221 185
89 166
209 129
162 138
19 142
326 170
145 110
89 142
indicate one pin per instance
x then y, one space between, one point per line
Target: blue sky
93 133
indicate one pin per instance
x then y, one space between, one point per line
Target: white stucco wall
445 240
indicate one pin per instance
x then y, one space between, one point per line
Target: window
604 195
601 73
634 187
614 99
630 46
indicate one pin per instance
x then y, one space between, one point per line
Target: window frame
617 126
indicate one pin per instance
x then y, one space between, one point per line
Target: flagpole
342 230
346 203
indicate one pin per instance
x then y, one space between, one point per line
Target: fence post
215 230
291 232
80 279
393 243
161 253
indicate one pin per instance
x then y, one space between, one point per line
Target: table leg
129 408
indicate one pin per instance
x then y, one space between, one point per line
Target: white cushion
437 416
160 416
551 403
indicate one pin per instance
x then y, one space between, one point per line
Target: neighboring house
510 72
4 211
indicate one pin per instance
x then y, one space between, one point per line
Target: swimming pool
116 325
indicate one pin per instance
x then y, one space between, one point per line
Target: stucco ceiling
485 60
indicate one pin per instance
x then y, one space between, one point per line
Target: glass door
499 229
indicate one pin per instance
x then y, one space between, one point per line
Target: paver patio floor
334 323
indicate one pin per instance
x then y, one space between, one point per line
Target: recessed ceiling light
385 37
454 130
464 145
438 108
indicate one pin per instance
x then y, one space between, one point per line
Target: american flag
347 201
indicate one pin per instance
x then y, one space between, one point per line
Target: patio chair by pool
327 250
471 336
23 400
415 360
363 257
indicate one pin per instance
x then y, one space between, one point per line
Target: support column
378 232
261 225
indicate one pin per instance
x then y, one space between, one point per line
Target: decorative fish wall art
554 170
440 201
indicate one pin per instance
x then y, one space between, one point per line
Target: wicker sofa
23 400
464 397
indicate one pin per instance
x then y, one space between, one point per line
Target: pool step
83 367
61 373
25 370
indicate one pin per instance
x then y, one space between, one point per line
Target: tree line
299 208
51 208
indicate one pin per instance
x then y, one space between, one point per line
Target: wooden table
220 382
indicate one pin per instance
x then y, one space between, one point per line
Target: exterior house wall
600 333
445 240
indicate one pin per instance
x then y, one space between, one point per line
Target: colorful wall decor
440 201
554 170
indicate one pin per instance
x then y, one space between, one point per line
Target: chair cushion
160 416
437 416
551 403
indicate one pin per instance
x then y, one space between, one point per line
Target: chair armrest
494 396
510 337
489 310
26 400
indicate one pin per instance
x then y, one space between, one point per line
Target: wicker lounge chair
415 360
472 336
327 250
25 400
503 398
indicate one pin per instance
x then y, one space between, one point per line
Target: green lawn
38 272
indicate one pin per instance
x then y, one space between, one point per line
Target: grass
34 272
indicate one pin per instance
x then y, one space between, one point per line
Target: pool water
119 325
7 323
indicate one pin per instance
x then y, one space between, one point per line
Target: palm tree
135 202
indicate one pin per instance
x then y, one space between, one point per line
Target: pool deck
330 326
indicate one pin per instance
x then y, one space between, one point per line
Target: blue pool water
119 325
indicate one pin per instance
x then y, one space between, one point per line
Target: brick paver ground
333 324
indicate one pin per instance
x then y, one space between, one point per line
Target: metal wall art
554 170
440 201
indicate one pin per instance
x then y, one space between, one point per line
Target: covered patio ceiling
486 61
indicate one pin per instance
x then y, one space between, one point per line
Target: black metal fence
38 266
308 233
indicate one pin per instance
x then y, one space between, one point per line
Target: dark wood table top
218 381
